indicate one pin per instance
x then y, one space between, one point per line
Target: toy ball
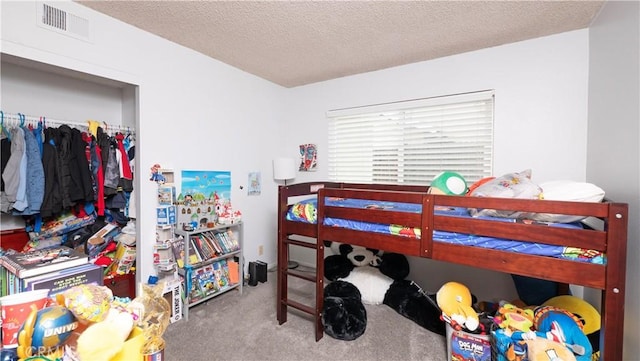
53 326
449 183
586 313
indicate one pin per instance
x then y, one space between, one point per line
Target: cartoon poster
204 196
254 184
308 157
203 184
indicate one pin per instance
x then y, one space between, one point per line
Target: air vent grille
54 17
63 21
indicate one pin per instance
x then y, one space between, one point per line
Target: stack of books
56 268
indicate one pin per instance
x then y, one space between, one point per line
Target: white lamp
284 168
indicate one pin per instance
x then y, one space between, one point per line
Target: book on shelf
220 277
177 246
212 243
194 256
225 269
207 281
62 280
221 242
231 240
234 271
195 294
195 243
42 261
205 246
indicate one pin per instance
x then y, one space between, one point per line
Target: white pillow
566 190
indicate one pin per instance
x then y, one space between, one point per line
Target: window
410 142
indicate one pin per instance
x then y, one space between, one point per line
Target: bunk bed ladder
284 272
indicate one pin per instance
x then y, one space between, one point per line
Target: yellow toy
514 318
539 349
105 322
103 340
454 300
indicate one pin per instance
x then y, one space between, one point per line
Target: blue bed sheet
306 211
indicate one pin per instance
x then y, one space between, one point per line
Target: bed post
612 314
319 288
283 258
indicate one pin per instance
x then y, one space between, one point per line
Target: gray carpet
244 327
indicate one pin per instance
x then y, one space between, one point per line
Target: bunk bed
432 226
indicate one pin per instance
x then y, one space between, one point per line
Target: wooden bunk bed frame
612 240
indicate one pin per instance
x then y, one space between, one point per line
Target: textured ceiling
293 43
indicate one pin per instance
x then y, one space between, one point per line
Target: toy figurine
156 176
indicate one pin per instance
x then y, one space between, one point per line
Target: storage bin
465 346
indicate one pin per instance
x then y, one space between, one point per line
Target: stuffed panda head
358 255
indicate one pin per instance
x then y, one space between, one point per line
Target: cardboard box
173 294
124 259
166 195
165 215
464 346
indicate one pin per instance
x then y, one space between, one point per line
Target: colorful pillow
510 185
477 184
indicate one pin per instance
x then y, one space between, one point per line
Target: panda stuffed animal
362 276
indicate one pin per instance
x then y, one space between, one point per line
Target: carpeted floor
236 326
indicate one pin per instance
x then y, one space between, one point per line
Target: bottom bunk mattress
306 211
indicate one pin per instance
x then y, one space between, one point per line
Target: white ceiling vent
62 21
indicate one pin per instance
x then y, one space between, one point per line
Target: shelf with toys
209 261
199 235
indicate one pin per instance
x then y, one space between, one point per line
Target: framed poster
308 157
254 184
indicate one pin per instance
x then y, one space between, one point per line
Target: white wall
196 113
614 130
540 119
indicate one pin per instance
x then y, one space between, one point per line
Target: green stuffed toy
448 183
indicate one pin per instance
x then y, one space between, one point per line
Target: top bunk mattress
306 211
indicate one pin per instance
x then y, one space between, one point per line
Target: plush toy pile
564 326
363 276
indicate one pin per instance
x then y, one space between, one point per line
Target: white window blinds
410 142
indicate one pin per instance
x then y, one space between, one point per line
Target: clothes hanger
4 129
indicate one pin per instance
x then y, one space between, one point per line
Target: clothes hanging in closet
49 171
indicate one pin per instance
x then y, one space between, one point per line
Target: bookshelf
210 262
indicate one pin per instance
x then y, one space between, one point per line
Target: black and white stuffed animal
361 276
